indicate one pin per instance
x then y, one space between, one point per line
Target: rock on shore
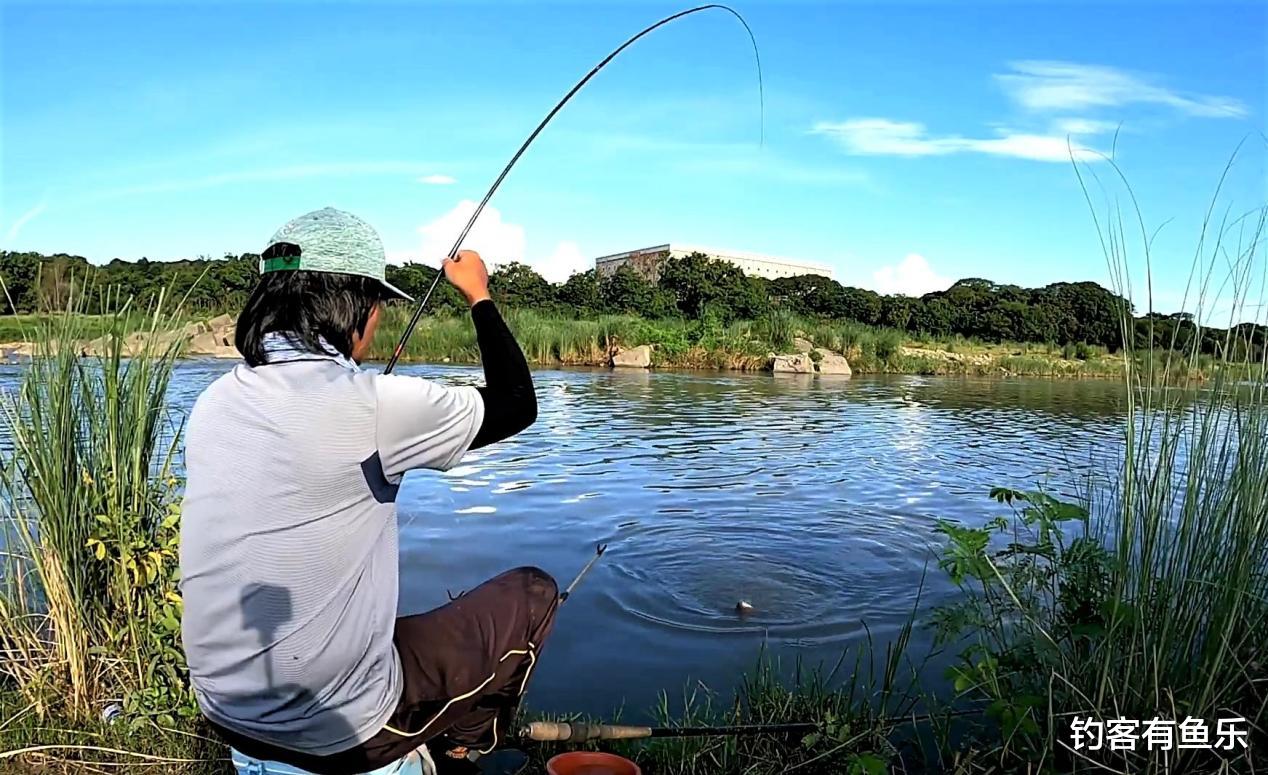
809 360
214 338
832 363
800 363
635 358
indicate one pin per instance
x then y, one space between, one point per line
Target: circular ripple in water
814 585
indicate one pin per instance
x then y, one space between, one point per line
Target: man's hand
469 275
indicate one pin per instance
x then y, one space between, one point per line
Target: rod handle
562 731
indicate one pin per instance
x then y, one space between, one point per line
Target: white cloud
23 220
1084 126
910 277
497 241
1050 85
437 180
884 137
1040 87
566 260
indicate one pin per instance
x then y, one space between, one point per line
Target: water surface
814 499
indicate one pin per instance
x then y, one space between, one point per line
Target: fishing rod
564 732
598 552
563 596
453 252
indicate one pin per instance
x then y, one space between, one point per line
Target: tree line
694 287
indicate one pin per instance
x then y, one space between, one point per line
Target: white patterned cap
329 240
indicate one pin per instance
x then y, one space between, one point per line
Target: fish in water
743 607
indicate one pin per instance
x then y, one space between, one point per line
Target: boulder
220 322
192 330
793 364
95 347
204 344
831 363
14 351
134 343
802 345
636 358
222 328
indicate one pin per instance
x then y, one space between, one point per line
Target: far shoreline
794 346
690 369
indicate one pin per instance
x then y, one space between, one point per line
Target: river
813 499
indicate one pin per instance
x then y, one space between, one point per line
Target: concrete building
647 262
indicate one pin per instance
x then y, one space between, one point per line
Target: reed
89 609
1147 598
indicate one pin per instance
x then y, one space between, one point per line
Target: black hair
307 307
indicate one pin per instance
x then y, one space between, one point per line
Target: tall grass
1149 599
88 609
548 339
777 328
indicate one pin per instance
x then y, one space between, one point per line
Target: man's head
321 279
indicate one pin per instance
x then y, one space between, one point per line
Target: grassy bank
745 345
555 340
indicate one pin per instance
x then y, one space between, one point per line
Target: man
289 537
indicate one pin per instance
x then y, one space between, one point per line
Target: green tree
859 304
896 311
580 292
933 315
753 300
625 291
20 273
697 280
808 294
518 285
1084 312
1026 322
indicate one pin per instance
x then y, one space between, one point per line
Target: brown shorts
464 665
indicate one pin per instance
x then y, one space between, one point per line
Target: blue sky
906 144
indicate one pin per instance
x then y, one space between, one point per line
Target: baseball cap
329 240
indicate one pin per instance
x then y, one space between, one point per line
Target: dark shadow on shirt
266 609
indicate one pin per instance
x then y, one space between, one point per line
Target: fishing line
453 252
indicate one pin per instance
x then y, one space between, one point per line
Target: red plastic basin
591 763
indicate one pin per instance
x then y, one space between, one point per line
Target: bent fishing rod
453 252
